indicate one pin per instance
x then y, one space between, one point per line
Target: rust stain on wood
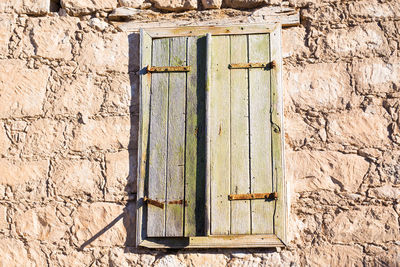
160 204
153 202
168 69
177 202
273 195
271 65
247 65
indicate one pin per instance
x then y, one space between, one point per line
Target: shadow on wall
128 216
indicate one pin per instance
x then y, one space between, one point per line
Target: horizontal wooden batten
271 196
230 241
169 69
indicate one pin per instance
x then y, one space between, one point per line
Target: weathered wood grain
220 135
271 16
260 139
158 139
280 217
145 87
195 138
176 139
240 180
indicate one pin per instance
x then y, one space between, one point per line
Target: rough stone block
44 137
365 225
22 89
83 94
297 132
391 166
105 133
121 169
6 27
142 4
123 95
83 7
107 52
3 218
335 255
326 170
388 257
375 76
71 257
27 179
211 4
358 128
14 253
52 37
175 5
204 259
168 260
77 178
363 40
31 7
374 9
119 257
40 223
5 142
322 86
294 42
89 219
386 192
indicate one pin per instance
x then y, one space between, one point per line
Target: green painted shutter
176 140
240 135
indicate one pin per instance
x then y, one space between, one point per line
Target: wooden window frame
279 238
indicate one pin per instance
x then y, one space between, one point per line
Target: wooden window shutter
176 137
210 141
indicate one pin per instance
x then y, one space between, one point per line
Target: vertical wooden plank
220 135
176 139
158 139
278 136
207 206
145 83
240 180
195 138
260 135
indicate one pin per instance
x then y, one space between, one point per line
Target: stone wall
69 119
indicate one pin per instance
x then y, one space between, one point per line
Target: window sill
228 241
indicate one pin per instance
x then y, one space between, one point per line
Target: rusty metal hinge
168 69
160 204
153 202
252 65
271 196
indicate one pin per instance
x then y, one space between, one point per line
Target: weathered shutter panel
240 135
176 133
